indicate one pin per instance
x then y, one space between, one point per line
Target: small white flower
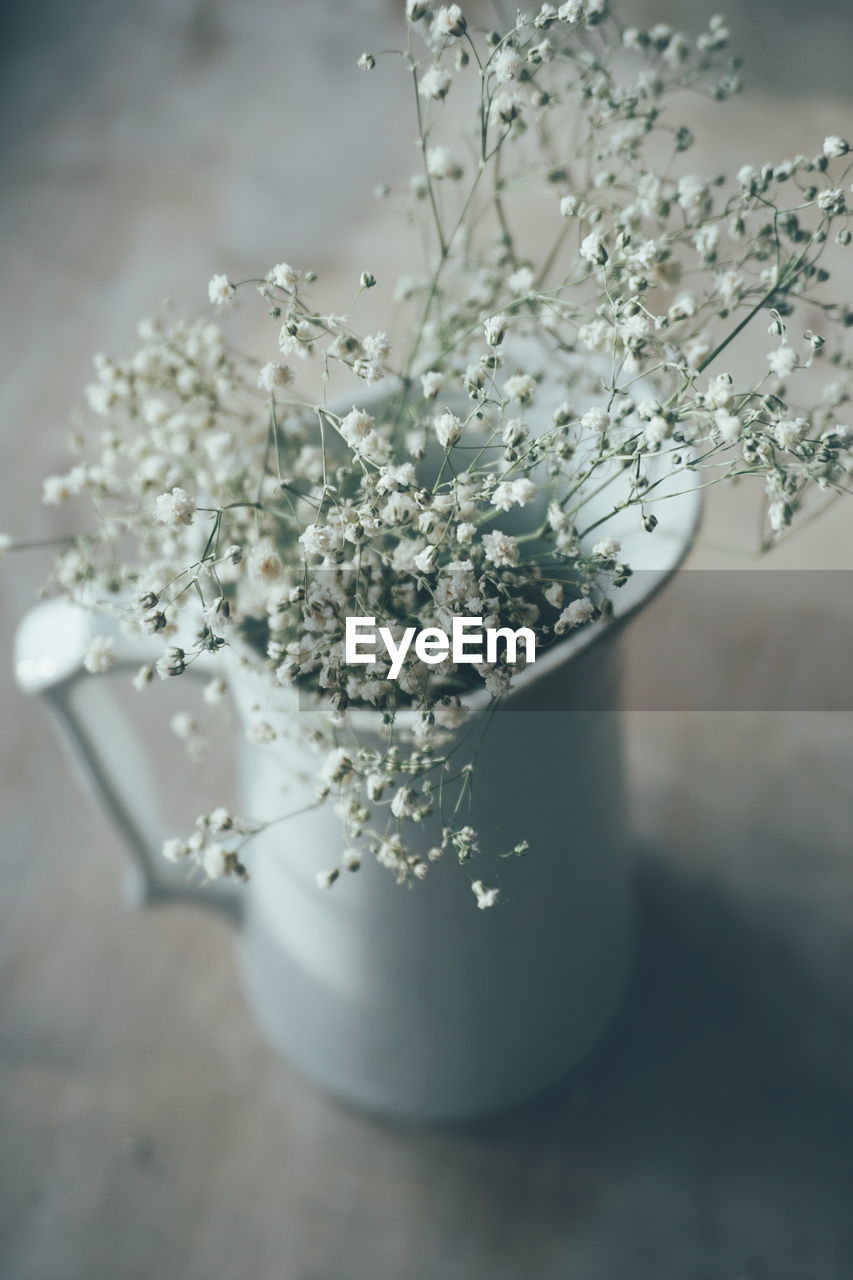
506 105
394 478
595 335
284 276
790 433
507 64
521 281
683 308
441 164
337 767
143 677
595 420
174 850
435 83
366 62
514 432
376 346
264 562
495 329
778 516
220 290
215 861
575 615
547 13
657 429
55 490
357 430
100 655
834 146
728 425
403 804
220 613
450 21
295 344
541 52
374 786
325 879
450 715
172 663
729 286
183 725
569 206
633 328
606 548
214 691
593 250
465 532
520 387
155 412
571 11
175 507
497 681
101 398
706 239
274 376
513 493
485 897
448 429
431 384
720 392
500 548
832 201
692 195
782 361
425 559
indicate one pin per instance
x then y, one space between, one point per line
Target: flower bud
450 21
172 663
154 621
495 330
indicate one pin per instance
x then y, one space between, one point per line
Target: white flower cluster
214 847
235 505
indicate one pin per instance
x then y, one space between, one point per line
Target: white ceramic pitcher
408 1002
413 1002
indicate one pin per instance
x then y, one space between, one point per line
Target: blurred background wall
799 49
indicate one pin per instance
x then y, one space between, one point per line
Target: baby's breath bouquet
420 474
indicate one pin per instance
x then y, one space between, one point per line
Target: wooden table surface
147 1128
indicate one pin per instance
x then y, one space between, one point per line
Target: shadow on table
697 1144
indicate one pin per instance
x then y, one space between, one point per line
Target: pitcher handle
103 746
